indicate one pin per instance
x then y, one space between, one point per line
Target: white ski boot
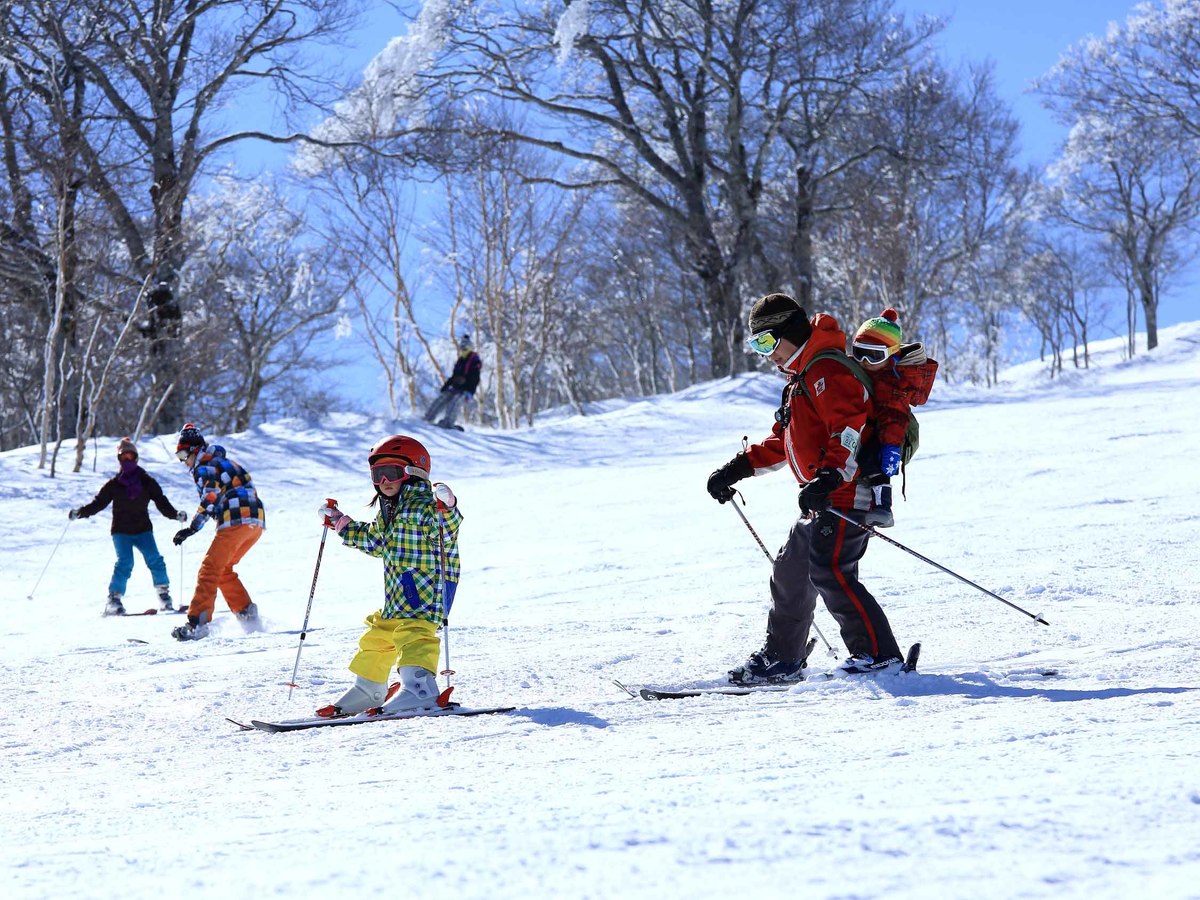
363 695
418 690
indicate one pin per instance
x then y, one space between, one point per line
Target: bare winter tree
683 107
1130 170
1059 282
1138 188
1145 69
158 75
261 295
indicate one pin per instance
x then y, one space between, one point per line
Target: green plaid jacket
412 547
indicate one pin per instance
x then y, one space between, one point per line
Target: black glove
182 535
720 482
73 515
815 495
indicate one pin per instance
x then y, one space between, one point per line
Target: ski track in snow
592 553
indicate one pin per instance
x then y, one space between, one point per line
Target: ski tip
626 688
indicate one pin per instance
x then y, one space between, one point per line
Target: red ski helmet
402 448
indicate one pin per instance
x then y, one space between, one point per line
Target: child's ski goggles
388 472
873 353
763 343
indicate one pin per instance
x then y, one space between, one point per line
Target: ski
149 612
317 722
731 690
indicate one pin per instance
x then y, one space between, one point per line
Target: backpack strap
853 365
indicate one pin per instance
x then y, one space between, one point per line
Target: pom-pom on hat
190 438
781 315
127 446
883 331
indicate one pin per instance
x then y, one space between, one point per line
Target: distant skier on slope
824 417
461 385
415 533
130 492
228 497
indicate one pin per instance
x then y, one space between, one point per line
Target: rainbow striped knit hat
882 331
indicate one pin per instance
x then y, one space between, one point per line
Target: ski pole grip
329 501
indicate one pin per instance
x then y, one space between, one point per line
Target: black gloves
720 482
814 497
182 535
73 515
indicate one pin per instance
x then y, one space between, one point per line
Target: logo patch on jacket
819 387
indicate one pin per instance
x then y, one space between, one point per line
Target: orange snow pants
216 571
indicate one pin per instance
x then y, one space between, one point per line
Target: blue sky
1024 38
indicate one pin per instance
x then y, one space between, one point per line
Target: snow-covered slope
591 553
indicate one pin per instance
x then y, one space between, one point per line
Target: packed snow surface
592 553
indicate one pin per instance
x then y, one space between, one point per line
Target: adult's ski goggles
873 353
763 343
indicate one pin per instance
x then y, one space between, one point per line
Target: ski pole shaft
308 609
47 565
442 587
925 559
828 647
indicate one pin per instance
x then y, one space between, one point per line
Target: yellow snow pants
389 643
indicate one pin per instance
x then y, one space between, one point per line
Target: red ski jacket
823 424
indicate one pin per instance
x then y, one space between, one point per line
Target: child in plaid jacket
415 533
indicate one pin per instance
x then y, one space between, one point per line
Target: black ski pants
821 557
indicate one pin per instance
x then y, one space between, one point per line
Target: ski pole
1037 617
308 609
828 647
445 612
52 552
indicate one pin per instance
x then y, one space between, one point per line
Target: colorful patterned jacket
226 493
413 542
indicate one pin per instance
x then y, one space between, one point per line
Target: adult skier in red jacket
825 416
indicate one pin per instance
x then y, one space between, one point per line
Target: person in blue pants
130 492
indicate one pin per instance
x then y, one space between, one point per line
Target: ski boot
113 607
363 695
765 667
868 665
165 604
880 513
249 620
194 629
418 690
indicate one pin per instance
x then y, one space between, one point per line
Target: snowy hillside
592 553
